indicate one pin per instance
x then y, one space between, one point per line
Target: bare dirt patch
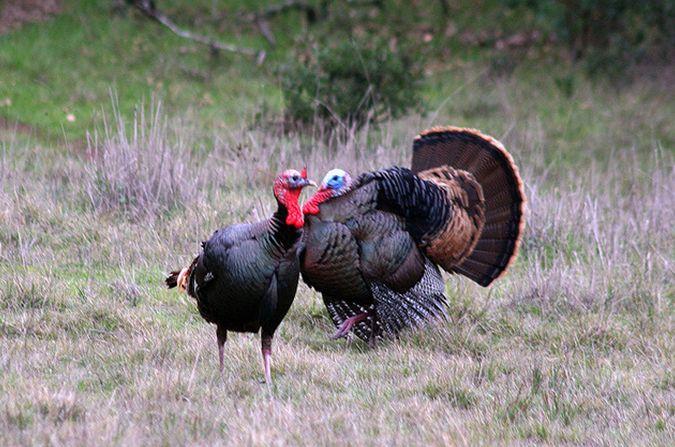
15 13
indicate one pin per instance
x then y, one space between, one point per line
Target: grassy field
573 346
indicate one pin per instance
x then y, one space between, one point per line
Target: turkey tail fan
180 278
494 169
171 281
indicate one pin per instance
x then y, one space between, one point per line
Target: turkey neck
282 231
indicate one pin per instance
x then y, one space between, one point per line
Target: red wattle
312 205
294 217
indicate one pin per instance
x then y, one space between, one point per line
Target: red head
334 184
287 188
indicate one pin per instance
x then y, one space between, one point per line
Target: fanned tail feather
180 278
494 169
171 281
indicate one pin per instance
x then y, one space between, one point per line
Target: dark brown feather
171 280
493 168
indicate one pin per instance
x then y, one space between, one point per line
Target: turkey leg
266 349
348 324
221 334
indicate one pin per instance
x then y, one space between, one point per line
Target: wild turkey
372 246
245 278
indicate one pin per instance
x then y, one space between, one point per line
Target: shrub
607 34
351 82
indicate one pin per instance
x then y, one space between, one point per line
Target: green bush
351 82
607 34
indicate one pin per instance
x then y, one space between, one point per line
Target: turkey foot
348 324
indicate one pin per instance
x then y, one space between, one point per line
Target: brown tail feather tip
514 175
182 279
178 279
171 280
488 139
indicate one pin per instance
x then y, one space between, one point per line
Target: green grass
71 64
573 346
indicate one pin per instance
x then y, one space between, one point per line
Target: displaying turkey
372 246
245 278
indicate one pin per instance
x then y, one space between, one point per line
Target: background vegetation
124 145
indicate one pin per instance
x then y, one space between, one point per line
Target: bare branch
148 9
264 28
261 19
287 6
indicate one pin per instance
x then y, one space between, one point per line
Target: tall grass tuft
142 168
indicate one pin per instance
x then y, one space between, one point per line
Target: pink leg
347 325
222 337
266 349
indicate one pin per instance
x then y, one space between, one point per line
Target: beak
306 182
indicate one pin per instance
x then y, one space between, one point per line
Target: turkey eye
336 178
294 178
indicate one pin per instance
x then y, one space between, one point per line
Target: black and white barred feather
340 310
395 311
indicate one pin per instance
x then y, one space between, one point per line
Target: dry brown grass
573 346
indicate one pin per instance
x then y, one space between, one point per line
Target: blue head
335 183
336 180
